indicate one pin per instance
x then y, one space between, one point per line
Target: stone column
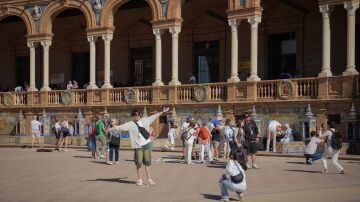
351 8
107 40
158 80
92 40
326 69
254 22
32 46
46 46
234 51
175 55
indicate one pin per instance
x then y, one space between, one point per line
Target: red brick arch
107 18
55 8
24 14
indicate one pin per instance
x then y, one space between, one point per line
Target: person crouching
234 179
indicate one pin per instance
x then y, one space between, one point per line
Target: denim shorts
143 155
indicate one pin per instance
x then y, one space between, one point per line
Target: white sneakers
150 182
109 162
255 166
241 197
139 183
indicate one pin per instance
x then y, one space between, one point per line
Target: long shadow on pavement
99 162
85 157
303 171
296 162
118 180
212 197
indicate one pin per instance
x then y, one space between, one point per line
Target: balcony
304 89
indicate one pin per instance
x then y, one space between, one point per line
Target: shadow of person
118 180
296 162
303 171
211 197
99 162
85 157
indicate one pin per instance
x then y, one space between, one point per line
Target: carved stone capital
31 45
46 44
351 7
107 38
234 23
175 30
254 21
325 10
92 39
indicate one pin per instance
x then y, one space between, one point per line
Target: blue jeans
232 146
313 157
225 185
112 150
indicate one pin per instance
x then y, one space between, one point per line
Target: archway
14 52
133 44
205 42
69 51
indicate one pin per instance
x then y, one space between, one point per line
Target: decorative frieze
36 12
164 7
97 6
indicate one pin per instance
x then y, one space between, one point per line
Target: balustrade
303 89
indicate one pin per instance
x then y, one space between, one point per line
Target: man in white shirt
310 149
35 131
273 127
141 141
57 134
183 131
329 151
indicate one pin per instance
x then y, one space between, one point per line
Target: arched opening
132 46
15 61
204 43
69 52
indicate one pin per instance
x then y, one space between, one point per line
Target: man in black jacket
251 136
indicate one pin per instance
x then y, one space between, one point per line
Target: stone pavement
26 175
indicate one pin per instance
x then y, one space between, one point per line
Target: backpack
114 138
335 140
203 133
97 128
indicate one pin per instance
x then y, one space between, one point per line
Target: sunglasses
247 116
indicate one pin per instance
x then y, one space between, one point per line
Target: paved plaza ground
27 175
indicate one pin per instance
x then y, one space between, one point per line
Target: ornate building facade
141 53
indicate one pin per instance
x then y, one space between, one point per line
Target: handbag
237 178
143 131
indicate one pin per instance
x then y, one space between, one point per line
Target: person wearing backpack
234 179
332 140
204 141
228 139
114 143
99 132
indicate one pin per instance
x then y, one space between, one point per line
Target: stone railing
213 93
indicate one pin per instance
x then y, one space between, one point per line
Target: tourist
69 86
215 139
99 132
287 134
65 131
204 141
189 139
273 128
114 143
71 132
57 134
91 140
330 151
251 136
192 78
240 134
35 130
141 141
183 131
235 178
75 85
228 134
171 134
311 145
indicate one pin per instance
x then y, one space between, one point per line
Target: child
231 180
310 149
